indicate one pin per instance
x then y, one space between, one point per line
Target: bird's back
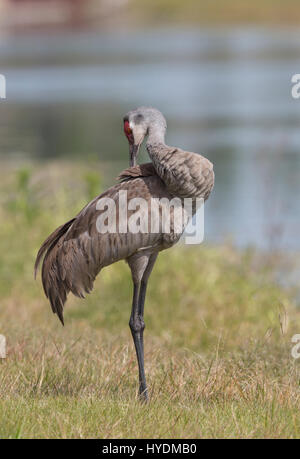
185 174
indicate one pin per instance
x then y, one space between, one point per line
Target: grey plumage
75 253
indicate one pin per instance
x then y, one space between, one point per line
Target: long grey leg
137 327
141 267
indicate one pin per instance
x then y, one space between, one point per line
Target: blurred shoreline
22 16
225 91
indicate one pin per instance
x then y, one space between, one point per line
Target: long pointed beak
133 151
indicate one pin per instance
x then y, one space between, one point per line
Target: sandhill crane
76 252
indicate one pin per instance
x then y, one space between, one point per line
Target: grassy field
218 337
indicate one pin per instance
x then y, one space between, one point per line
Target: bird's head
138 124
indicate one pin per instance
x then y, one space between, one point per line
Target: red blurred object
32 14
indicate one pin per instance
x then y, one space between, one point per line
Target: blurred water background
225 91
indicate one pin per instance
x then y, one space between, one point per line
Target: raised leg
143 290
141 267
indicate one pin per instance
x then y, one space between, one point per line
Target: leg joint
137 324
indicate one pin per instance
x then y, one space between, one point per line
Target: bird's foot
143 395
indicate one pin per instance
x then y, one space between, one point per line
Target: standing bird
76 252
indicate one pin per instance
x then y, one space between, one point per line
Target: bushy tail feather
50 242
56 293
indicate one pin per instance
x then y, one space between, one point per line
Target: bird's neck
155 145
156 135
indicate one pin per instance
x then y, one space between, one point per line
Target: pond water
226 93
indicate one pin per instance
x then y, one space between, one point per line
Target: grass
218 336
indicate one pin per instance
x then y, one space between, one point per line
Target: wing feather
76 252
